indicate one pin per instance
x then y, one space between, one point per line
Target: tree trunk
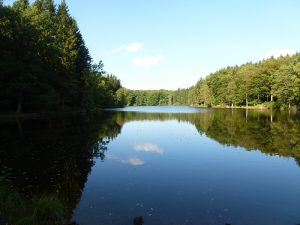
271 98
246 100
271 118
170 100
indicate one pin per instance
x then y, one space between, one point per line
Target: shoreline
258 107
35 115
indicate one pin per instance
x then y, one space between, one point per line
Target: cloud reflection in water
148 147
132 160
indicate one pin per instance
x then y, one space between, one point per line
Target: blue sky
166 44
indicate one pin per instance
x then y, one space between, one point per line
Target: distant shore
268 106
257 107
9 116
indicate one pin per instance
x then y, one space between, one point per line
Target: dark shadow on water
50 157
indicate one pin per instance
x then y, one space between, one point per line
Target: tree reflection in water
274 133
45 162
51 157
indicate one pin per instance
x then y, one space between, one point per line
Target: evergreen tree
20 5
67 44
45 5
45 64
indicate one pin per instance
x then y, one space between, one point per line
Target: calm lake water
171 165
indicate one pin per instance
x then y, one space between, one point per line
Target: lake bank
252 107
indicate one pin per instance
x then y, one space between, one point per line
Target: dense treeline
44 62
275 82
271 80
153 97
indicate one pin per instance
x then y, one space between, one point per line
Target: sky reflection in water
164 170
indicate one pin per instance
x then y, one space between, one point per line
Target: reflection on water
52 157
212 167
148 147
160 109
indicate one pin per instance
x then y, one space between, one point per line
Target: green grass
15 209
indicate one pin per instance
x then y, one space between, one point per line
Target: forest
274 82
45 64
153 97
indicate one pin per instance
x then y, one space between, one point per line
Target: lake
170 165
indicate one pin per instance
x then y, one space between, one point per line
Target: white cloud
148 60
132 47
278 52
134 161
148 147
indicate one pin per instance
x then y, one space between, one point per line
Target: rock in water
138 220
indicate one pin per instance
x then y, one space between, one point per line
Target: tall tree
286 87
45 5
20 5
231 93
67 44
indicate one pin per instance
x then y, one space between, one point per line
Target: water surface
171 165
160 109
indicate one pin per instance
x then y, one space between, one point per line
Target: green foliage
47 210
154 97
17 210
271 80
101 88
201 94
44 62
11 205
287 86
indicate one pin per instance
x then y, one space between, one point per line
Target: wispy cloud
132 160
132 47
135 161
148 147
148 60
278 52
